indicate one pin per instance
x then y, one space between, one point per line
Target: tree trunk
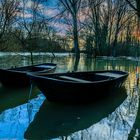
75 35
138 8
32 62
77 58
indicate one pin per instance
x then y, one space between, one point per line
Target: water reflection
70 121
14 122
67 62
116 126
80 122
55 120
135 133
10 98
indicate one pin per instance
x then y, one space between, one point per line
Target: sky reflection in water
43 120
14 122
116 126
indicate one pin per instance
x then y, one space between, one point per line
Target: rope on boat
29 105
30 93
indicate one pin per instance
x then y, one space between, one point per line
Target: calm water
114 118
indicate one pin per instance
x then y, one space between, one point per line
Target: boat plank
44 66
75 79
115 75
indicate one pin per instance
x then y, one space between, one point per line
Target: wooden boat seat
75 79
110 74
44 66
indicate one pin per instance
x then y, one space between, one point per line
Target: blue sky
52 3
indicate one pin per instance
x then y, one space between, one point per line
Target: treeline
99 27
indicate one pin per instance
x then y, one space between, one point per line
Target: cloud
49 12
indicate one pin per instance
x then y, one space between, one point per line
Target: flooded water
114 118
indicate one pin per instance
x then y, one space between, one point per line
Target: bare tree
105 24
9 10
31 25
72 8
120 16
135 4
95 18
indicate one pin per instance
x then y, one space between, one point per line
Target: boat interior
85 77
29 69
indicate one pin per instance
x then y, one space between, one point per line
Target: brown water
114 118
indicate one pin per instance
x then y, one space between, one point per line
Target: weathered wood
114 75
80 86
75 79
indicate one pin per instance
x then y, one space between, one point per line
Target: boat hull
61 91
17 77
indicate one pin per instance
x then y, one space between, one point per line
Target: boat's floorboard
110 74
75 79
44 66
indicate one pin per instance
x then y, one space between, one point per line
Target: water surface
112 118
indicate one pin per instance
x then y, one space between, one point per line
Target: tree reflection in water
14 122
116 126
60 125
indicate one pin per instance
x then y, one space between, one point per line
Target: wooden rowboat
78 86
17 77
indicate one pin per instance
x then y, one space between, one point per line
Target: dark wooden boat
17 77
79 86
